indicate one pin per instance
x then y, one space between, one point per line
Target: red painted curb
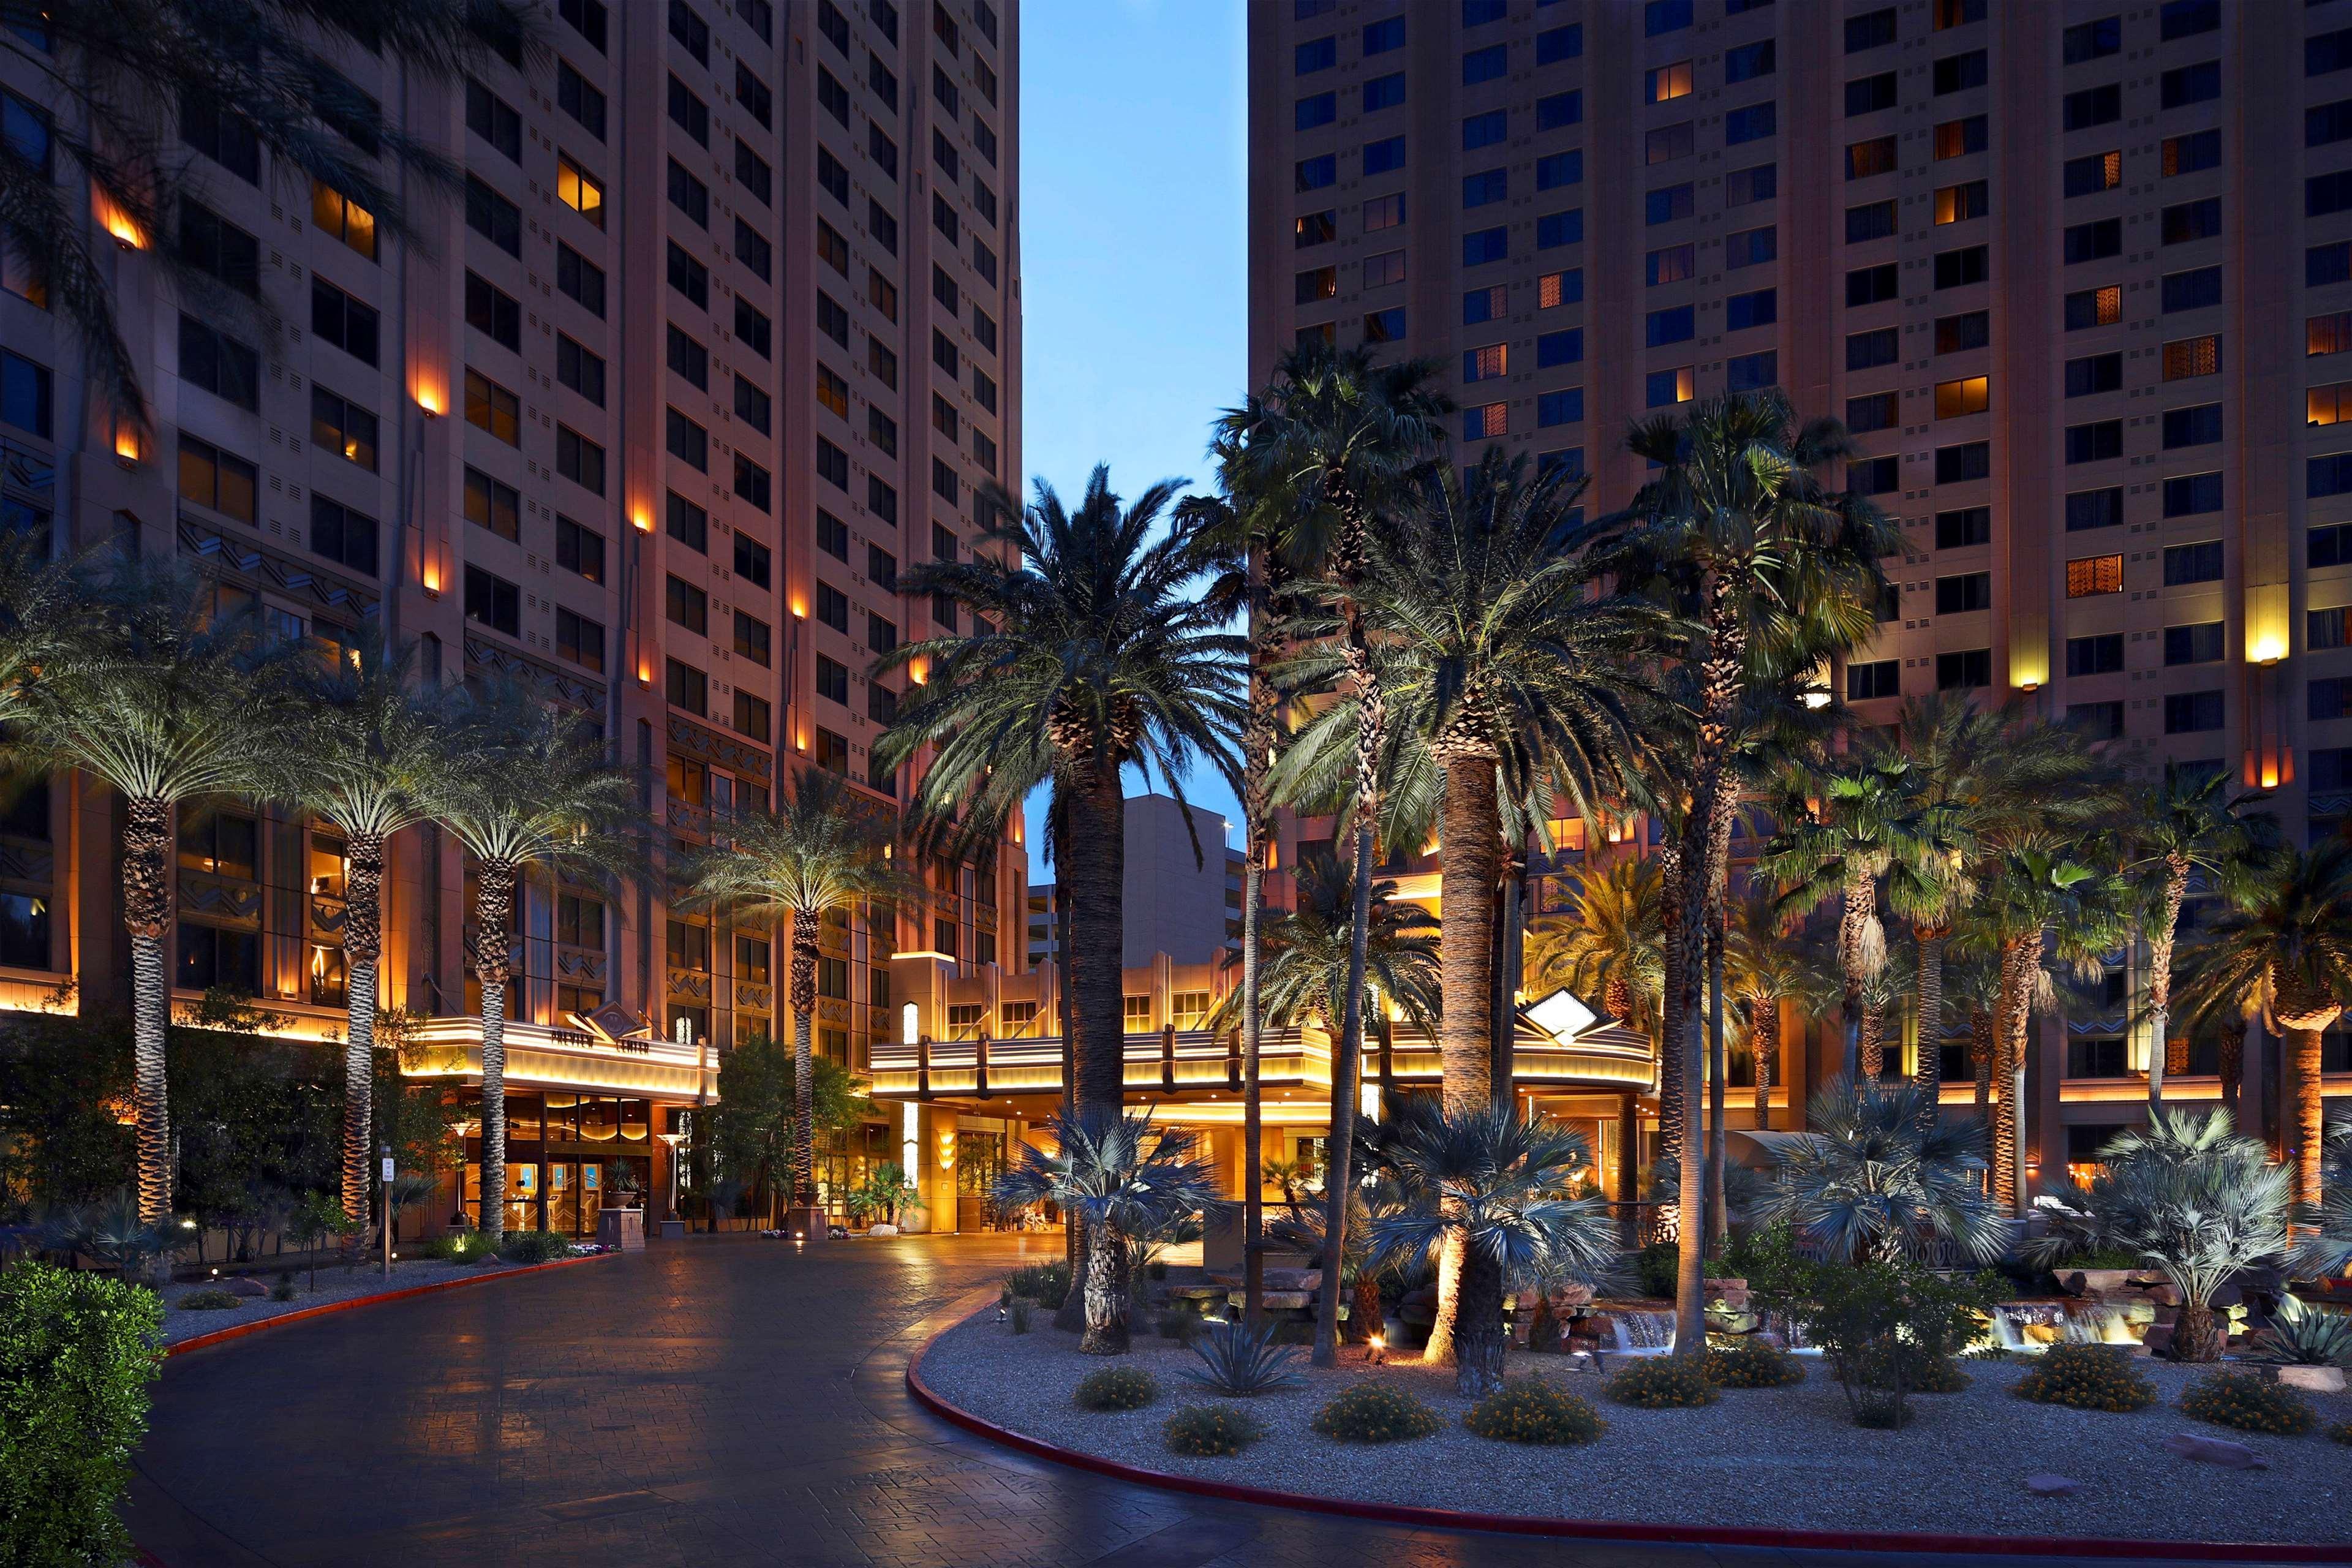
1614 1530
238 1330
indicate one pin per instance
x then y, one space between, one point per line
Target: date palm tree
1480 1181
1770 963
121 77
1609 944
542 795
1090 653
2182 824
2285 945
167 696
820 853
1325 447
380 741
1304 971
1873 1179
1122 1177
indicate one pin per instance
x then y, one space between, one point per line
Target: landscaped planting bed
1788 1457
336 1283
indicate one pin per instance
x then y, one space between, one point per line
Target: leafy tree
122 76
542 794
822 854
752 1130
194 706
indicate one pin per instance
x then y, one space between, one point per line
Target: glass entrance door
562 1197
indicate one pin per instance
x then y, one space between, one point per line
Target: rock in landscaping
245 1285
2313 1379
2045 1483
2215 1451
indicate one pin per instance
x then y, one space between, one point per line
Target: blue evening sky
1133 250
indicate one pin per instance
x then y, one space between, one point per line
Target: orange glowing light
645 672
429 573
126 442
428 398
121 225
643 521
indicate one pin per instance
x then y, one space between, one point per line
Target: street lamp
672 1218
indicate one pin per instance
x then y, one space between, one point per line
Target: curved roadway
717 1402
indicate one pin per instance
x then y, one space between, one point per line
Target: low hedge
77 1353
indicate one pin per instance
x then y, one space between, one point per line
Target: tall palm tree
543 796
1777 569
118 75
2285 945
819 854
1326 443
380 742
1304 973
1770 962
1090 653
1479 1180
2044 898
168 698
2177 825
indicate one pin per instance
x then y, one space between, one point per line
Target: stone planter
2093 1282
1731 1293
2311 1379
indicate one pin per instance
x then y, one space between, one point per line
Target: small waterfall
2028 1328
1638 1331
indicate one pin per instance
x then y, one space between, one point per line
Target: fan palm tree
120 75
818 855
2180 824
1123 1177
1090 653
167 697
542 795
1304 973
2285 945
1481 1181
1325 446
380 742
1769 962
1873 1179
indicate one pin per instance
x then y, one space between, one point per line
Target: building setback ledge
1616 1530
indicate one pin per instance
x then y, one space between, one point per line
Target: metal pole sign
386 1201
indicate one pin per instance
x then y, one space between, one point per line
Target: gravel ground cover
1787 1458
336 1283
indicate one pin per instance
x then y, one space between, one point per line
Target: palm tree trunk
2018 957
1980 1054
2310 1131
1764 1036
1105 1333
1481 1339
2159 977
803 1004
362 947
1257 749
147 914
1929 1075
1853 920
1371 724
1672 890
1094 876
493 956
1718 1221
2233 1069
1472 843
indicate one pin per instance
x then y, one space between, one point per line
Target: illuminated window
833 390
1864 159
1558 289
1957 138
2189 357
1664 387
1666 83
1486 423
2328 404
491 407
1138 1010
2093 173
1480 364
1970 395
2094 308
345 219
2328 334
1018 1019
1672 264
1190 1009
965 1019
1956 204
580 190
2090 576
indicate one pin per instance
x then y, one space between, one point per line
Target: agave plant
1121 1176
1239 1362
1876 1179
2303 1336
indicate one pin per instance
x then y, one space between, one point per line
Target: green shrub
2248 1402
1529 1410
2088 1377
534 1247
211 1298
1750 1362
284 1290
1212 1431
1888 1330
1375 1412
2342 1433
1019 1313
1115 1388
1661 1382
1179 1323
1655 1267
1921 1374
77 1353
461 1247
1043 1283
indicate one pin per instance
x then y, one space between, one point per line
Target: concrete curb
259 1325
1615 1529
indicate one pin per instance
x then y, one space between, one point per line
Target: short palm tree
820 854
1304 973
1770 963
1873 1179
380 742
262 70
2197 1200
2285 945
1484 1180
1090 653
543 796
167 698
1322 451
1122 1177
2180 824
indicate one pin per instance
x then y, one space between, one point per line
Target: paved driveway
715 1402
